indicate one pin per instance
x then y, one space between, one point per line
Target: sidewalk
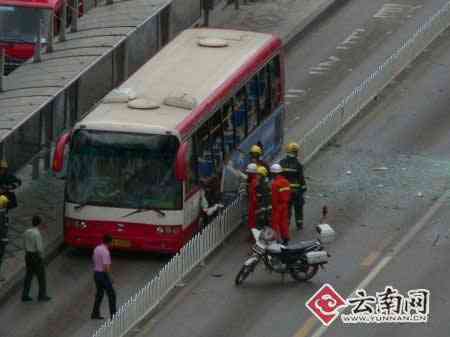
285 18
44 196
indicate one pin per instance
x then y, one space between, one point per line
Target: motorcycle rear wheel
304 275
242 275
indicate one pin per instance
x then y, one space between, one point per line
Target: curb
307 21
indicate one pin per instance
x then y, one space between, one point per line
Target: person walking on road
103 282
34 261
293 171
281 196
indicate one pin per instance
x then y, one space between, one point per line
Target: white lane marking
291 96
397 248
300 91
353 38
392 11
324 66
316 73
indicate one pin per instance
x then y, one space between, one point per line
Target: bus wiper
139 210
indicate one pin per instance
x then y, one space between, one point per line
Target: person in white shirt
34 262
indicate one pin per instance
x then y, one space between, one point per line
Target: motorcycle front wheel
243 274
304 274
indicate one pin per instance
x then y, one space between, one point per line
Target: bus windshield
123 170
20 24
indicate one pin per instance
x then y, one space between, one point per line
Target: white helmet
252 168
276 168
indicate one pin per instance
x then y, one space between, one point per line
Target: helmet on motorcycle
268 234
276 168
252 168
256 150
262 171
292 148
3 201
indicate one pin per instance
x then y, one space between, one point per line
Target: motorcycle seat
299 247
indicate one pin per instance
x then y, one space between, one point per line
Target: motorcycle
302 261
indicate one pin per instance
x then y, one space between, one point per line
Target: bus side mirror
181 164
58 154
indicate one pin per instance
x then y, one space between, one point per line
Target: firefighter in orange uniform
281 197
252 194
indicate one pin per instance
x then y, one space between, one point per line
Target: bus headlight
78 224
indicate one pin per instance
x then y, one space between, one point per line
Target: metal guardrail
194 252
147 298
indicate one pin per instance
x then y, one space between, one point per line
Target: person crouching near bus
252 183
293 170
209 201
264 198
281 197
256 153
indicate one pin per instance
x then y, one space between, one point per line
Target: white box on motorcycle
326 233
316 257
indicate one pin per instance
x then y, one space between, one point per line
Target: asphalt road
379 178
211 306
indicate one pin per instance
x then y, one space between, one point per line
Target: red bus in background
19 22
134 164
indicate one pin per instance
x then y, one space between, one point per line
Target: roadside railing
193 253
151 295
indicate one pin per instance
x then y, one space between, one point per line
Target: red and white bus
19 24
134 162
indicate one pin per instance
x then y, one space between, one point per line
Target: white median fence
194 252
202 244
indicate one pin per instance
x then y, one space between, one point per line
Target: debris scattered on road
419 195
380 185
217 275
349 172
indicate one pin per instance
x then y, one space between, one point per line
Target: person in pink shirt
102 270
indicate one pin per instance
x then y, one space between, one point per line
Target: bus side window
228 129
240 116
264 92
192 176
252 103
275 81
202 147
216 140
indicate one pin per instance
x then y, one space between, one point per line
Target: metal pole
74 27
2 67
37 47
236 4
63 23
50 34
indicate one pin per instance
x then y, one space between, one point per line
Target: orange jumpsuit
281 196
252 200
